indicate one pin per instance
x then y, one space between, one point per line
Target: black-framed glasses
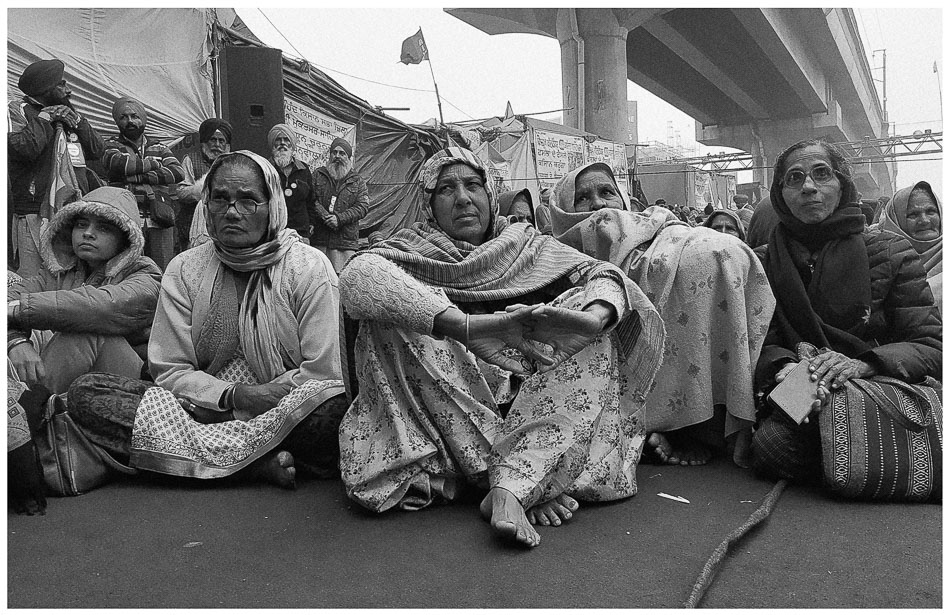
245 207
821 174
513 218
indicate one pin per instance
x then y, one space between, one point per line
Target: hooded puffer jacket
118 298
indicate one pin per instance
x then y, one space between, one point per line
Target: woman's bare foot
278 469
553 512
685 453
507 517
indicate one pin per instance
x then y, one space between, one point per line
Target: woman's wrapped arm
375 288
172 359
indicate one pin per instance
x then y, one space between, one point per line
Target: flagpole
939 91
438 99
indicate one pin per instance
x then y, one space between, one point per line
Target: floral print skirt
427 422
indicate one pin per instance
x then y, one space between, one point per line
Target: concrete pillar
594 71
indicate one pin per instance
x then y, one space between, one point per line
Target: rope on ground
712 564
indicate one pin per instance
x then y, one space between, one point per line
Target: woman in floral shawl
244 348
490 355
714 299
916 215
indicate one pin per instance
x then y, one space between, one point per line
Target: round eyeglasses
820 174
245 207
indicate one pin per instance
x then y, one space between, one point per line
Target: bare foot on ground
507 517
553 512
278 469
684 453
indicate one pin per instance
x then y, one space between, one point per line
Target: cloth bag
72 465
882 439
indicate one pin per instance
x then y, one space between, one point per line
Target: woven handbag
882 439
72 465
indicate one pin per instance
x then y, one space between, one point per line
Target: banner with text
555 154
613 155
315 131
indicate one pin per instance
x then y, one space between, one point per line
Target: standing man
30 147
342 201
149 170
296 180
214 135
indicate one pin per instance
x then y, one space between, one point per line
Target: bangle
466 329
16 342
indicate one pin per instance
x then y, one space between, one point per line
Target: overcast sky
478 74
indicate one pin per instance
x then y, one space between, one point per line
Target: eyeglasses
514 219
245 207
820 175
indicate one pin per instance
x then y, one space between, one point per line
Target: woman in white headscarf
244 348
916 215
714 299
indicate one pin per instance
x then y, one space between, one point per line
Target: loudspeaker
252 95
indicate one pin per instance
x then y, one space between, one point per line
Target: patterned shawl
613 235
256 315
516 259
894 219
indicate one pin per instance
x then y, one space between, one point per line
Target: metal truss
867 150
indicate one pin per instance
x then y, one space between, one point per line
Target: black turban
40 76
210 125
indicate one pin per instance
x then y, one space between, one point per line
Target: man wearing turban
30 146
148 169
342 201
214 136
296 180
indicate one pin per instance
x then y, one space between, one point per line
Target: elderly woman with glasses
859 296
244 349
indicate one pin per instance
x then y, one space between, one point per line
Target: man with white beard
214 135
295 180
342 200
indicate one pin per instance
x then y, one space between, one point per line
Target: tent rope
712 564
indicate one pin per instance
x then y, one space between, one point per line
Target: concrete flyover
755 79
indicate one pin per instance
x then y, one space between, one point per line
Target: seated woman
493 356
915 214
244 349
516 206
726 221
860 295
93 301
714 299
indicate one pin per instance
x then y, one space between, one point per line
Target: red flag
414 49
935 64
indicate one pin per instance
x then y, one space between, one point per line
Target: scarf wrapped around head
257 316
139 108
515 260
507 199
732 214
211 125
832 311
894 219
281 130
611 235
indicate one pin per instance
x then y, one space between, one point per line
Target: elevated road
755 79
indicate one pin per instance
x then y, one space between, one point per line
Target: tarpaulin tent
681 184
164 58
536 153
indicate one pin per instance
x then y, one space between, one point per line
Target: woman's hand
823 394
254 400
205 415
27 364
499 339
566 331
832 369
